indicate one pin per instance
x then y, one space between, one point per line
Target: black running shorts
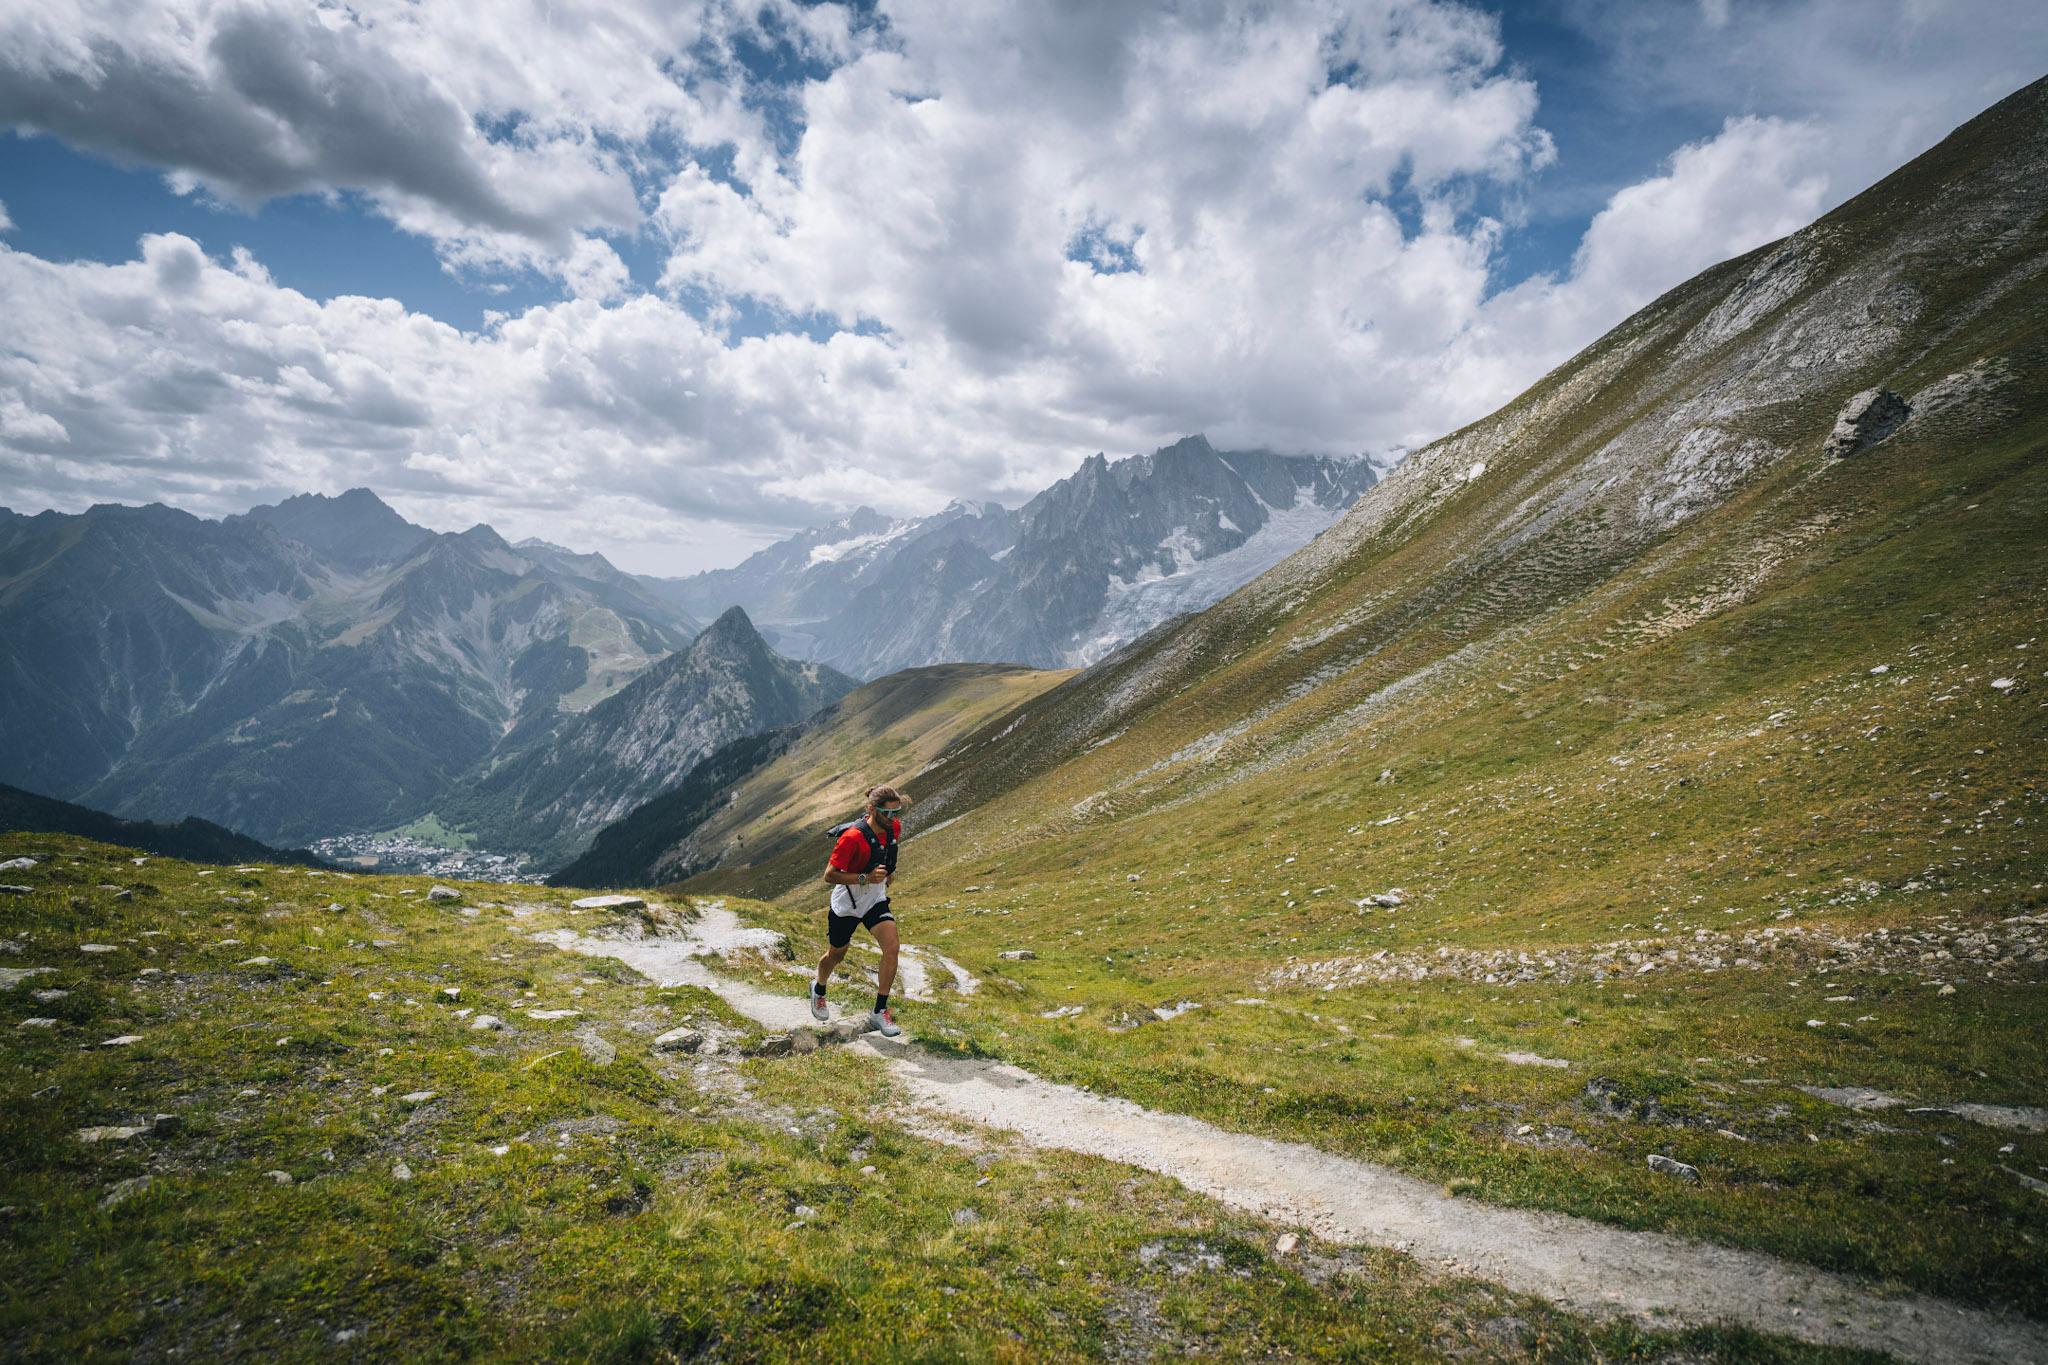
839 928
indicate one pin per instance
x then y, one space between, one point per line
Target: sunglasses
890 810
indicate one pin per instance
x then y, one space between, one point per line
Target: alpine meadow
1571 889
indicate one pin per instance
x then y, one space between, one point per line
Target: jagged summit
1092 561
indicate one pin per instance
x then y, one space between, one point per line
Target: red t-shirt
850 854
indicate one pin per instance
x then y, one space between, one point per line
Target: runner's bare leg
885 934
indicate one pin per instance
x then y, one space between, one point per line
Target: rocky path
1580 1264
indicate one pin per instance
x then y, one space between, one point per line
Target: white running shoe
818 1010
884 1022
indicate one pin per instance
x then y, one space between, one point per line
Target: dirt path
1577 1263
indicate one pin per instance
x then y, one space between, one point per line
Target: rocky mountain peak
355 529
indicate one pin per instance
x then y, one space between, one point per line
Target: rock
123 1190
486 1022
400 1171
595 1047
806 1211
774 1047
1286 1245
163 1125
1165 1012
280 1177
1132 877
867 1170
10 977
610 903
1018 955
443 893
1664 1164
17 864
452 992
10 889
97 948
50 996
124 1040
110 1133
1532 1059
802 1041
552 1014
679 1040
417 1097
1865 420
38 1021
256 962
965 1218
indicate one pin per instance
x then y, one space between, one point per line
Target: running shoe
884 1022
818 1010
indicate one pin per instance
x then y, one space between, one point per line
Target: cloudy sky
671 278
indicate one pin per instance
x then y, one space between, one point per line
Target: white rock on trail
610 903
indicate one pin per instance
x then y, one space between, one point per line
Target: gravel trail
1577 1263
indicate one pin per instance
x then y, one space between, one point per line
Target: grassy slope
644 1205
888 731
1590 738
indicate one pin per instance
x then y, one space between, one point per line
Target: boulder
1667 1166
1018 955
679 1040
1865 420
803 1041
487 1022
443 893
17 864
610 903
9 889
122 1190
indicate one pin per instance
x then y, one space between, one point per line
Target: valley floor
262 1112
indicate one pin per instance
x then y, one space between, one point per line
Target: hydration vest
881 852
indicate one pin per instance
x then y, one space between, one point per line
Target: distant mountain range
1092 562
317 666
324 666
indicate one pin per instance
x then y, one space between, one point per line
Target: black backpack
881 853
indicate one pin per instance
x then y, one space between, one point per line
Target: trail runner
862 862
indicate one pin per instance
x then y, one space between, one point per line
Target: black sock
817 988
881 1003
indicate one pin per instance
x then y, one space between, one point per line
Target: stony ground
261 1113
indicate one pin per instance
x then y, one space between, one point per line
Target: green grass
645 1205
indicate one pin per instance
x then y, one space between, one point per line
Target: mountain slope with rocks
1095 560
552 797
309 668
1621 777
